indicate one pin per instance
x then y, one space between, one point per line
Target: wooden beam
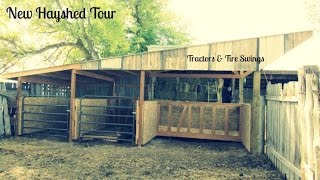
64 77
7 95
141 103
94 75
44 80
112 73
199 136
175 75
72 104
245 74
241 81
133 73
18 124
41 71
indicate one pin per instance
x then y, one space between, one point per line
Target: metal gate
45 116
107 117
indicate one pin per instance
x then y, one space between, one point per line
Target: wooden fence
217 121
292 126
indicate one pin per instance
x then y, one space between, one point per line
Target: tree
135 25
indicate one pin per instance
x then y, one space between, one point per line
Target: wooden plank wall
292 125
149 121
270 47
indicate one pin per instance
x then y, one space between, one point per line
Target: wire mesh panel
45 116
107 117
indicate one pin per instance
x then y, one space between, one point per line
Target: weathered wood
226 121
219 90
309 123
72 104
182 118
18 126
94 75
201 120
189 118
317 161
1 117
199 136
44 80
257 133
41 71
213 125
150 120
246 126
210 76
6 117
141 106
284 161
169 117
241 81
316 121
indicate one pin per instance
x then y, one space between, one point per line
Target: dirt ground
162 158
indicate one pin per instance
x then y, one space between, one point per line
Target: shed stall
136 76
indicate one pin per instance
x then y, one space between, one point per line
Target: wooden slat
158 116
6 117
174 75
285 162
283 98
213 125
1 116
199 136
169 117
226 121
177 103
201 120
94 75
189 118
183 116
240 120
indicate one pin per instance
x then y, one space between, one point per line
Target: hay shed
147 78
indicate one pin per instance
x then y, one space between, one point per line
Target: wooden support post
257 133
311 111
301 117
114 89
241 90
317 161
18 124
316 121
152 80
233 85
141 102
72 101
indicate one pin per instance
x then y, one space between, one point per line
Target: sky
219 20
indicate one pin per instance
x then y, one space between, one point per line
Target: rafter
94 75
